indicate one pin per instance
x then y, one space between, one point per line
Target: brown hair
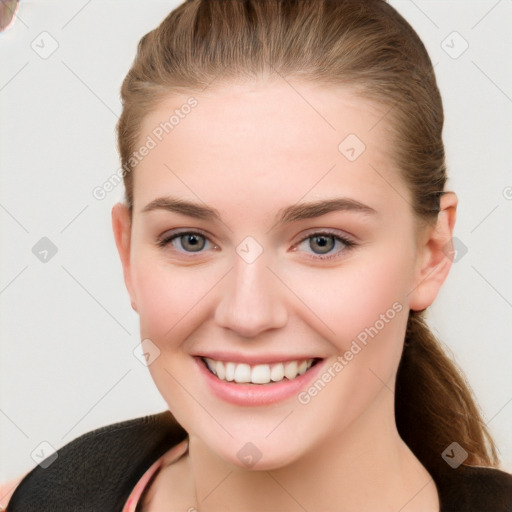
368 47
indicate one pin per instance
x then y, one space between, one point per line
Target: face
311 253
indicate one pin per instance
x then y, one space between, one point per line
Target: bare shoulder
7 489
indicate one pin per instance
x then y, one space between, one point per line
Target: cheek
365 306
171 304
342 303
168 297
368 291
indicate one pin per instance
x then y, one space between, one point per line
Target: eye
189 241
323 243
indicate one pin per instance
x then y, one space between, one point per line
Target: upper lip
236 357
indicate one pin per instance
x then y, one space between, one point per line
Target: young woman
286 225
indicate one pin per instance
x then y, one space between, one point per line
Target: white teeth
242 372
277 372
230 371
260 374
211 365
257 374
290 369
302 367
220 370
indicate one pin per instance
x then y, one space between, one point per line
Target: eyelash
349 244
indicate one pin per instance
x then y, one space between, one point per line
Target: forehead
279 139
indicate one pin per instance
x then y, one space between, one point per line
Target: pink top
167 458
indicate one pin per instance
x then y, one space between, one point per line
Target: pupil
193 240
323 242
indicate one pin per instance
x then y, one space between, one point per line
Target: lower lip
257 394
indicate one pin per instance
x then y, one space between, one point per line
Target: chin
259 456
256 450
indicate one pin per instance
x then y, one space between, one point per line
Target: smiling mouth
242 373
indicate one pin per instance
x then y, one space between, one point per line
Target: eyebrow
293 213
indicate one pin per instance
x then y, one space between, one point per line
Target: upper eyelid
173 233
344 238
326 231
176 234
303 236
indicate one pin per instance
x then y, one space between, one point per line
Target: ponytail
434 405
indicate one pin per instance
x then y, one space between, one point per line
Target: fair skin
250 150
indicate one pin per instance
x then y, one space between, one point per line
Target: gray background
67 329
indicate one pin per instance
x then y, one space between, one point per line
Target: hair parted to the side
368 48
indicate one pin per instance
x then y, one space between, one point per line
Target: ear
121 226
435 255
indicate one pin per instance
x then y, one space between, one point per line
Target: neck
365 467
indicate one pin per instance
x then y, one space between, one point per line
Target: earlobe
435 256
121 227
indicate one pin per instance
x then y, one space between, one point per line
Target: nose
252 299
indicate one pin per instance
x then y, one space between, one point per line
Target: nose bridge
252 300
